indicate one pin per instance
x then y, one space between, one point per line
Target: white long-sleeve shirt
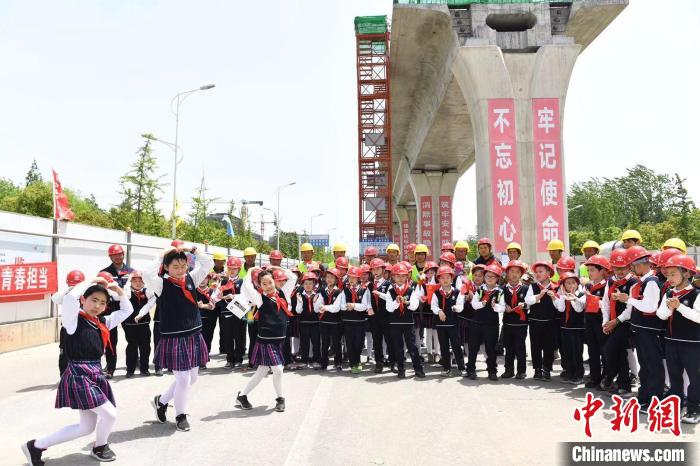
57 298
435 302
153 282
648 304
321 306
690 313
364 304
530 297
315 297
71 309
578 304
477 304
393 304
255 298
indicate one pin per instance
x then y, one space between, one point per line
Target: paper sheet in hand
239 306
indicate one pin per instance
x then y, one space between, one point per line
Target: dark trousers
208 327
572 347
156 338
287 345
557 346
401 333
310 338
252 338
450 336
682 356
62 358
330 339
615 355
138 346
233 332
651 366
542 344
595 341
354 340
488 335
111 353
514 341
381 332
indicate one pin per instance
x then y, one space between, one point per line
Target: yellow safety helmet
307 247
462 245
676 243
393 247
219 256
337 247
631 234
515 246
555 245
421 248
250 252
590 244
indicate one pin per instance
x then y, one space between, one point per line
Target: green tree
33 175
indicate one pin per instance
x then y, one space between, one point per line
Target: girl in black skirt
272 319
83 386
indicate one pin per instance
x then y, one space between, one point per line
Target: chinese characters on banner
426 221
445 219
405 238
549 179
504 172
28 279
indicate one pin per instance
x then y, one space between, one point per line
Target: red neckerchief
280 302
593 300
139 294
230 285
104 331
331 295
400 291
567 310
444 296
613 289
467 287
183 287
675 294
353 293
376 288
487 295
204 291
310 301
514 301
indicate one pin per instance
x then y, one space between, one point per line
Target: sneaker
145 373
445 372
419 373
520 375
242 402
32 453
634 380
508 374
159 372
378 369
316 366
593 384
160 409
471 375
546 375
394 369
103 453
203 366
181 422
493 377
564 375
690 417
110 375
237 365
339 368
129 374
402 373
538 374
576 381
279 405
355 369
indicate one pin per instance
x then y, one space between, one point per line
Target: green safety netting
370 24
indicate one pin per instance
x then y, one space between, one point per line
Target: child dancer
83 386
73 278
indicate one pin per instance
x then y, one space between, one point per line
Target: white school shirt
71 309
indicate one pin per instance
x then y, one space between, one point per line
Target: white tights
100 419
179 390
260 374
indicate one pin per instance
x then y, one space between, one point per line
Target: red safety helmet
400 269
335 272
410 247
279 276
516 263
371 251
354 272
308 276
233 262
389 268
494 269
682 261
636 253
445 270
667 254
429 265
342 263
484 241
600 261
74 277
476 267
315 267
567 275
377 262
447 247
618 258
545 264
448 257
254 275
276 254
115 249
107 276
177 243
365 268
654 258
136 274
407 264
566 263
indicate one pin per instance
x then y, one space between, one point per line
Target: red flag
61 208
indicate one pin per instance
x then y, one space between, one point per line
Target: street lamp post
179 98
279 189
311 223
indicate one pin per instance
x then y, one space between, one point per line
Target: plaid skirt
181 353
83 386
267 354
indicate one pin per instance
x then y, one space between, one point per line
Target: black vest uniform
178 315
514 298
621 288
308 316
545 310
138 301
678 327
86 342
230 287
399 317
486 315
646 321
272 321
353 316
332 318
203 296
445 303
378 304
576 320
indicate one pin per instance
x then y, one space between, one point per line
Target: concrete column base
433 184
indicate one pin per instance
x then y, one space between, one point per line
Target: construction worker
421 255
675 243
249 255
631 238
589 249
447 247
411 253
276 257
514 251
339 250
393 254
485 248
370 253
307 255
556 250
219 262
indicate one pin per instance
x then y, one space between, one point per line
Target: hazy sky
81 80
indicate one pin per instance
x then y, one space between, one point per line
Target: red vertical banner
426 221
445 220
404 238
505 196
549 177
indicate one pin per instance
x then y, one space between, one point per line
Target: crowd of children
636 312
